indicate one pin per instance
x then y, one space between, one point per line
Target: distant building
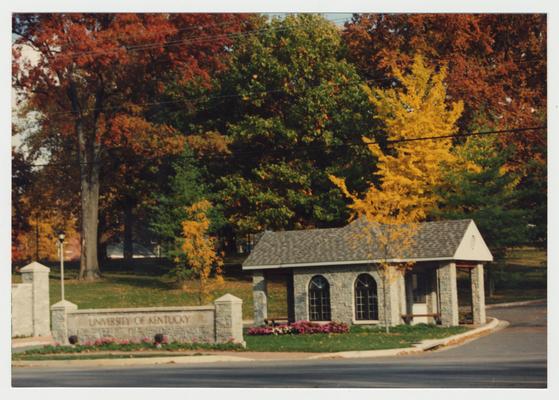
116 251
333 274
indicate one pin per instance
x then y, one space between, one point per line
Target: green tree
293 110
185 187
483 188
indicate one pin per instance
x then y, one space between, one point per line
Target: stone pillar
60 313
448 294
431 296
390 292
409 294
478 294
260 297
229 319
290 298
403 303
301 277
38 276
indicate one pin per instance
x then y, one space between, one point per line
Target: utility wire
189 40
402 140
196 100
195 39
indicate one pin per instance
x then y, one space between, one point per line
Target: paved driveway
513 357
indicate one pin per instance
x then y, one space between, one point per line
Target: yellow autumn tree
41 239
200 250
409 170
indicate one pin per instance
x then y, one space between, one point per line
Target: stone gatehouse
333 274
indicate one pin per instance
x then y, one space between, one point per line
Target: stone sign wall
30 302
215 323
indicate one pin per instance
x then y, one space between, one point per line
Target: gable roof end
472 246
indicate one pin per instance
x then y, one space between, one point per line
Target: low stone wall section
22 315
217 323
30 302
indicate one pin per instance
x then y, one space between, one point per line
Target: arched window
366 303
319 299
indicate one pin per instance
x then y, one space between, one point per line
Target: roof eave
352 262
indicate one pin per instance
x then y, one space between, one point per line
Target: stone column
409 294
260 297
478 294
390 292
403 303
38 276
60 313
229 319
290 298
448 294
301 277
432 293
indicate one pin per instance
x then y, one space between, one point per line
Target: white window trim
365 322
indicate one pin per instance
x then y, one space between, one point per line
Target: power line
218 97
194 39
208 37
188 40
199 99
402 140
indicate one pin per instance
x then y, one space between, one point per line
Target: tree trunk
128 249
491 285
89 176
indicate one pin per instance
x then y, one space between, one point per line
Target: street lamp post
61 241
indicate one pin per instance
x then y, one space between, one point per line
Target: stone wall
22 314
342 282
217 323
448 294
30 302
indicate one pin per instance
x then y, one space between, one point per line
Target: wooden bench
276 321
408 317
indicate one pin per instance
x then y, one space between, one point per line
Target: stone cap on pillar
34 267
64 305
228 298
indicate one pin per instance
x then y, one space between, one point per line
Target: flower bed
159 342
300 328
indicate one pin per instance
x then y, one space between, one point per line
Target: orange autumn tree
199 250
46 226
410 171
96 80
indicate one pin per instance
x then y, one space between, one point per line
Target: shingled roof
358 242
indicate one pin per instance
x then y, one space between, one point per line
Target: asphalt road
514 357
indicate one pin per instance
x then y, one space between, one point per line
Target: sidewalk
29 342
197 357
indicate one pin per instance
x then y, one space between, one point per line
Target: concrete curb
32 341
514 304
425 345
367 353
433 344
129 361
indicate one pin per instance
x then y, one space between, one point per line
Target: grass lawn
359 338
524 277
526 257
129 290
